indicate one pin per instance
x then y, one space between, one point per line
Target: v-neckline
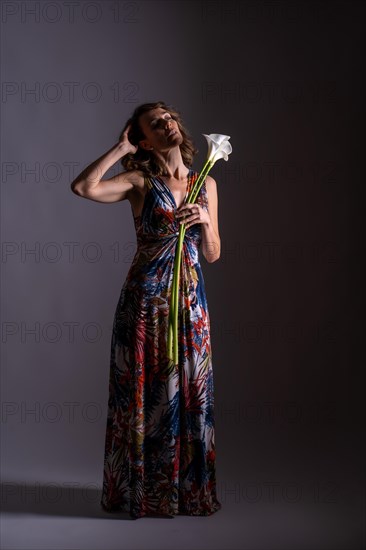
171 193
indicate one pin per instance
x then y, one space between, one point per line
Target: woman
159 445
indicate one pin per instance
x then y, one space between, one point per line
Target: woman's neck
173 165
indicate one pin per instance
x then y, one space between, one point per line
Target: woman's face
160 129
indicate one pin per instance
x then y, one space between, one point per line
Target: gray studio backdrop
282 82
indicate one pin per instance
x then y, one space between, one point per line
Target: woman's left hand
192 213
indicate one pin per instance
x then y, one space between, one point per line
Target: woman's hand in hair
125 145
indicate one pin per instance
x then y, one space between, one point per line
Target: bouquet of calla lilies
218 148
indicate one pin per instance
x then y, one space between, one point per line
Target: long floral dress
159 445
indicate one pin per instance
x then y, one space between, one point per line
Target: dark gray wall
284 80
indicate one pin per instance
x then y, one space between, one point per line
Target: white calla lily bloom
218 147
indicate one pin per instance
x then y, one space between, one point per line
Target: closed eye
155 122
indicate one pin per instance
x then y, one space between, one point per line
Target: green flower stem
199 182
173 313
174 308
177 267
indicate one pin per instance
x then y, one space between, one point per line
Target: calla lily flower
218 148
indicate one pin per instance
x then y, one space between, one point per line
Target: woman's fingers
189 209
133 148
189 213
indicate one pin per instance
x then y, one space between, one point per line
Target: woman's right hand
125 145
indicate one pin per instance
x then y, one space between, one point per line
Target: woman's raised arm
89 184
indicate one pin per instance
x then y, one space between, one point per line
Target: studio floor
49 517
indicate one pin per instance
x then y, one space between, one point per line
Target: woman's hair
146 160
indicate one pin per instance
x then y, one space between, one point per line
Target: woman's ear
144 144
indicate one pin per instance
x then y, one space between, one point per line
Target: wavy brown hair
146 160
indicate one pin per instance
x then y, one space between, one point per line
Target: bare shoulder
212 200
211 181
211 186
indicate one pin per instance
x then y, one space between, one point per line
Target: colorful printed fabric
160 445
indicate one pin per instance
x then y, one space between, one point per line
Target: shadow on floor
55 499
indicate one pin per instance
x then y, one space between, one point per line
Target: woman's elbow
212 256
76 188
212 260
